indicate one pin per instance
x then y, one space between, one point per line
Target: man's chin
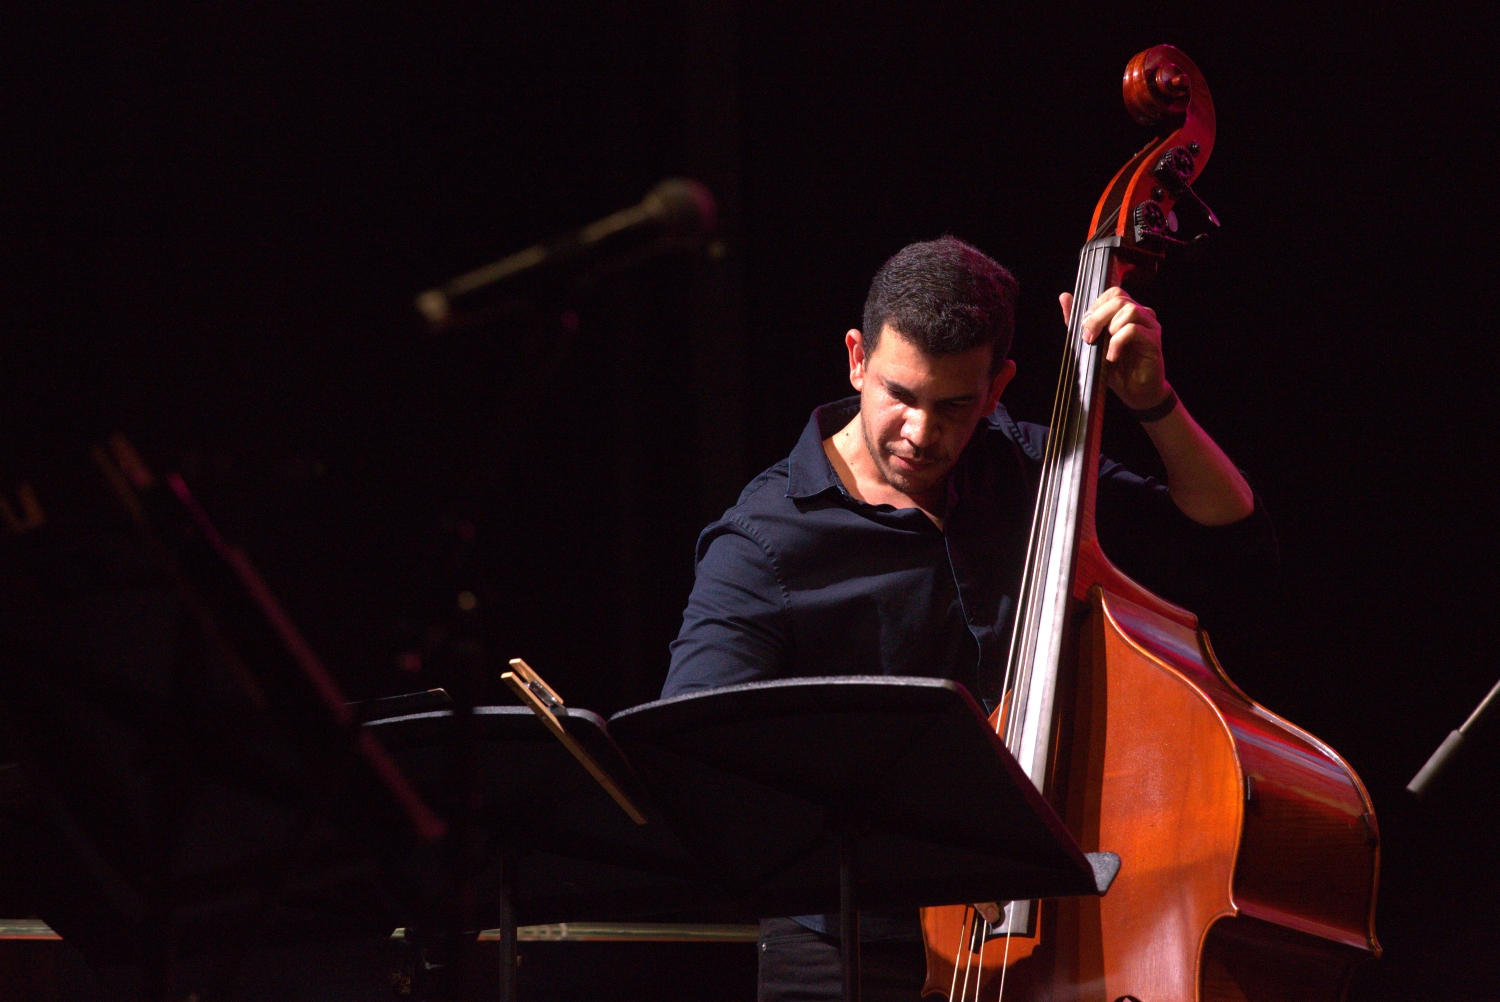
914 484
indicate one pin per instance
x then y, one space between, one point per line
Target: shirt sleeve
1201 567
735 626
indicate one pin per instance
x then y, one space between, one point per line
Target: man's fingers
1120 341
1066 299
1125 316
1131 313
1133 353
989 909
1101 319
1109 296
1113 310
1100 314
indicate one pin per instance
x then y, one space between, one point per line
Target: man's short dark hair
945 297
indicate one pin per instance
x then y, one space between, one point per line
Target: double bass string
984 940
1025 599
1024 632
973 927
1065 415
954 984
1063 439
1044 524
1067 411
1024 628
1070 412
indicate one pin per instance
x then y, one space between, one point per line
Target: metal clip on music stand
859 791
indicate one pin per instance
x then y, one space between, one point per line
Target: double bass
1249 849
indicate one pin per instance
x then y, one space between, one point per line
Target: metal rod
1452 746
507 931
849 915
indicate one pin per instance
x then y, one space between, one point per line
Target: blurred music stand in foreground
817 795
190 781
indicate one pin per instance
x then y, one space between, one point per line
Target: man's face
917 410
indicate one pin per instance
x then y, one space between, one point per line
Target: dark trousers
799 965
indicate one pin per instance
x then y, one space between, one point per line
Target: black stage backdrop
216 216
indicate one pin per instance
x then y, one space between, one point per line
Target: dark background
216 216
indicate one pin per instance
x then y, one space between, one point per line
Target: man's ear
855 342
998 383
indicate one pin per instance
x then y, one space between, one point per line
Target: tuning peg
1191 250
1173 171
1156 230
1187 194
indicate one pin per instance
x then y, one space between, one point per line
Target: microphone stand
677 214
532 286
1452 746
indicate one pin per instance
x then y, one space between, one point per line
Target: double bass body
1249 849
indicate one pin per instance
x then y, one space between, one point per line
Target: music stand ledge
830 794
566 845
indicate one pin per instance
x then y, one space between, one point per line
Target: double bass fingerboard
1063 492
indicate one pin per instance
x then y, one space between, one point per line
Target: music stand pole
849 914
507 929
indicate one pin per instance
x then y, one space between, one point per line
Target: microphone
678 213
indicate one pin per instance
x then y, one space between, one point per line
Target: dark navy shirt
799 578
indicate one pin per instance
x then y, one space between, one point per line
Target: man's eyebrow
896 390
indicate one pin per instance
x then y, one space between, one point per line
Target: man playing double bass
891 540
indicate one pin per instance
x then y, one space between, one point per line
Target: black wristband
1161 410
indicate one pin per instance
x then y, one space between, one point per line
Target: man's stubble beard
894 477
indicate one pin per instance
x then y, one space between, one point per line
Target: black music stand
867 791
559 846
192 783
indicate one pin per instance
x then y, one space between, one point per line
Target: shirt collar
809 472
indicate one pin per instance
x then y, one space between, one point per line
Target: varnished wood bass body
1249 849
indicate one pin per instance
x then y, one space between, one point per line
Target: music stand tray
813 795
577 854
566 846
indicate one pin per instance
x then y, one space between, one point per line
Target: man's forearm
1204 484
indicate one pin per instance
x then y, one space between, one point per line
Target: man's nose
920 429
